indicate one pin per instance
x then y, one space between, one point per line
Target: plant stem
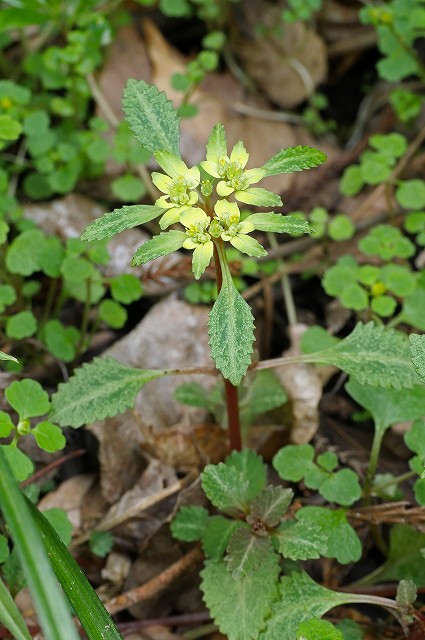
286 286
373 460
231 392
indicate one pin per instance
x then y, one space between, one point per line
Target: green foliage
101 543
417 348
316 629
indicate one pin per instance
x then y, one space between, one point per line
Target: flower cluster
186 199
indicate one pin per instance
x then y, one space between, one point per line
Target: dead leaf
286 60
69 496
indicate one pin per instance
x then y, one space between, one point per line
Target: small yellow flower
234 231
179 186
197 225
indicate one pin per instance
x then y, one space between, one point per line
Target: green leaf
10 615
128 188
246 552
405 560
119 219
52 609
28 398
4 548
21 466
193 394
300 540
189 523
6 356
217 535
160 245
231 332
6 424
270 506
389 406
48 436
316 629
112 313
216 145
373 355
83 599
201 258
263 394
126 288
294 461
259 197
342 542
351 181
101 543
242 612
417 348
74 268
10 129
21 325
411 194
278 223
226 488
61 341
294 159
252 469
342 487
60 523
98 390
22 254
413 307
300 599
151 117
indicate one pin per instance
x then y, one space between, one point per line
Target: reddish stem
231 391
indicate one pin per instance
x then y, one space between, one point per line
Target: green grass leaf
240 607
294 159
373 355
231 331
151 117
119 219
52 609
10 615
97 390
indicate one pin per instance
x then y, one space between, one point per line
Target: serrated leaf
271 505
252 469
417 348
98 390
406 592
119 219
342 542
28 398
242 612
373 355
216 145
294 159
246 552
217 535
189 523
160 245
300 540
300 599
231 332
278 223
151 117
225 487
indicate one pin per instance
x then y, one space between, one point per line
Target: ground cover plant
298 537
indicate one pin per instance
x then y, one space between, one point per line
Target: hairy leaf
189 523
373 355
97 390
342 542
278 223
151 117
271 505
240 607
226 487
300 599
119 219
417 348
217 535
316 629
231 331
294 159
160 245
246 552
252 468
300 540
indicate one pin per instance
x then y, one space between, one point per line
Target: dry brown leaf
69 497
287 62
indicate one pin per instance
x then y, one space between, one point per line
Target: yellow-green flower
231 172
235 231
179 186
197 225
